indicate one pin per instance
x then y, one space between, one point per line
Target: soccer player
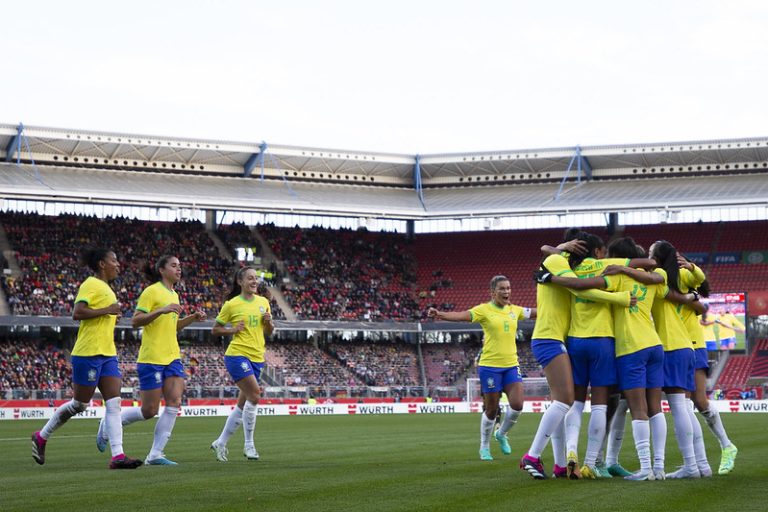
729 326
94 358
710 324
498 368
693 278
250 319
161 374
553 306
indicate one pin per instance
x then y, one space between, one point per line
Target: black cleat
125 462
38 448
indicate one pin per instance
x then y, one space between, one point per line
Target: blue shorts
152 376
701 359
87 370
494 380
240 367
545 350
728 343
678 369
593 361
641 369
712 346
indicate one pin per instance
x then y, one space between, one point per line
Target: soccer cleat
221 452
602 471
485 454
250 453
38 448
124 462
572 467
503 442
704 469
559 471
727 459
101 441
618 470
534 467
640 476
658 474
590 472
684 472
160 461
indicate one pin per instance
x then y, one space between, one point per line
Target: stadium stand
444 364
345 275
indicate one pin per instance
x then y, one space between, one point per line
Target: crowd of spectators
303 364
345 274
379 364
33 364
445 363
47 250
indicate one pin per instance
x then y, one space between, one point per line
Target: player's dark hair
91 256
592 242
624 247
665 255
236 288
153 271
496 280
570 234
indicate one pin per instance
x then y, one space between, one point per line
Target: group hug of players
620 324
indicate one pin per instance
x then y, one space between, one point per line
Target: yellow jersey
727 321
499 333
669 324
250 341
96 336
159 344
710 331
633 326
553 303
687 281
590 319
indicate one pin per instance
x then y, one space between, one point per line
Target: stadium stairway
760 364
220 245
269 258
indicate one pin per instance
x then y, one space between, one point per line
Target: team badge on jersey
92 375
262 309
158 377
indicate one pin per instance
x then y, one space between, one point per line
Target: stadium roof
112 168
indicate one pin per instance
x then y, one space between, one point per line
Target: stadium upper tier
114 168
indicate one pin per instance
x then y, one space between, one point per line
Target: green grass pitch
355 463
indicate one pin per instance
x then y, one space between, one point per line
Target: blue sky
395 76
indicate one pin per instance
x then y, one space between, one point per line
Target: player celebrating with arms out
498 367
250 318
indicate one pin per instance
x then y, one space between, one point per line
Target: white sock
715 424
573 427
595 433
558 444
616 435
131 415
658 424
699 450
61 416
486 427
641 431
113 429
163 430
234 420
249 422
510 418
552 418
678 405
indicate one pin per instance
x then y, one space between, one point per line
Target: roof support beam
417 180
582 165
14 146
254 160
